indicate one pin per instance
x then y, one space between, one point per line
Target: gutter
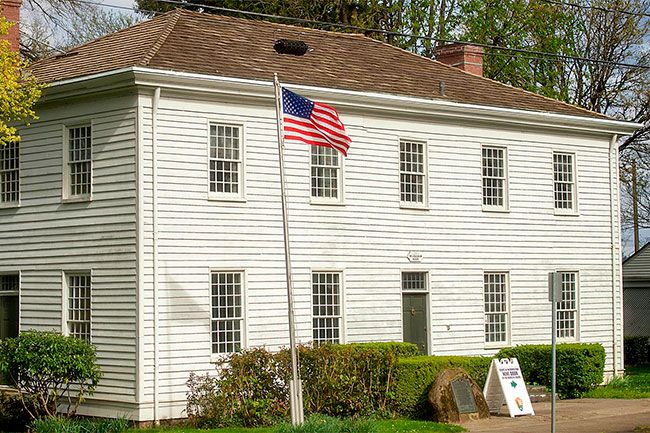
615 227
355 100
154 201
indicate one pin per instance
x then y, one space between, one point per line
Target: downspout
613 159
154 204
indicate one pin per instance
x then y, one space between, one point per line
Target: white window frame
506 202
425 175
67 193
65 325
15 293
506 342
574 166
339 200
240 195
243 337
13 203
576 310
424 290
341 295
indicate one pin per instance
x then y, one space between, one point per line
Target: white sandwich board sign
505 384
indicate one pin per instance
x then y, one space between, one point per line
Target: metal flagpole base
297 413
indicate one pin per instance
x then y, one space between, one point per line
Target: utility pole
635 208
441 22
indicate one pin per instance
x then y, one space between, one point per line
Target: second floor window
79 292
79 162
325 173
564 186
226 160
9 173
494 177
412 170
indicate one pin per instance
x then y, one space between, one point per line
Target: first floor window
413 182
225 159
495 296
79 298
494 177
325 173
79 161
9 286
567 308
227 317
326 307
564 184
9 173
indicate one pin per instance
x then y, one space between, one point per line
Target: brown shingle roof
234 47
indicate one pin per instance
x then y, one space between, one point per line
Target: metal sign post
554 295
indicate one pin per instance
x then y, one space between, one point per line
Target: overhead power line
38 41
372 30
598 8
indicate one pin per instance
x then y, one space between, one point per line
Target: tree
19 91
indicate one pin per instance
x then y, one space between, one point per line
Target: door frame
427 300
18 294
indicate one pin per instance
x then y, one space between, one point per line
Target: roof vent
290 46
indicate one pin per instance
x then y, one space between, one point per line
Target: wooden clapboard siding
368 237
44 237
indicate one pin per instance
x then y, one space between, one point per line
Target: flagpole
295 386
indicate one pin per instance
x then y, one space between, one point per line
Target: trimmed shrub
414 377
13 417
399 349
45 366
327 424
579 366
69 425
637 350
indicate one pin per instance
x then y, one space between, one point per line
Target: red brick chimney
11 11
469 58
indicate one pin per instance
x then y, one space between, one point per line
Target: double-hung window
326 307
78 163
227 311
79 305
564 185
9 174
325 174
567 308
495 178
412 171
495 299
226 161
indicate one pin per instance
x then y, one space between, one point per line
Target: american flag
313 123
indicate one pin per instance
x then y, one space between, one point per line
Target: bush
579 366
68 425
326 424
399 349
13 416
414 377
251 387
637 350
45 367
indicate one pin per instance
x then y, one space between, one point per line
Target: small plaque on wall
414 256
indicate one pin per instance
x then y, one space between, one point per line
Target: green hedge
401 350
637 350
415 375
579 366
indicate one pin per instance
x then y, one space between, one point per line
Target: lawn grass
382 426
635 384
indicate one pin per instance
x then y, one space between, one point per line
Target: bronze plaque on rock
463 396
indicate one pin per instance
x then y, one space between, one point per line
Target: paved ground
573 416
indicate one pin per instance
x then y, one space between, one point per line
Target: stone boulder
445 407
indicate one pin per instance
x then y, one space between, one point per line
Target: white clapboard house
142 210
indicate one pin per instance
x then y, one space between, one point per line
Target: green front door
414 318
8 316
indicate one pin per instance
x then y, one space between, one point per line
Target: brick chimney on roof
469 58
10 9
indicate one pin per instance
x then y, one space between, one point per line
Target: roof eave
348 98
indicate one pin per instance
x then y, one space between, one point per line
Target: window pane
414 281
9 173
495 294
79 306
227 315
225 159
326 307
564 184
567 307
494 176
79 160
412 172
325 171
